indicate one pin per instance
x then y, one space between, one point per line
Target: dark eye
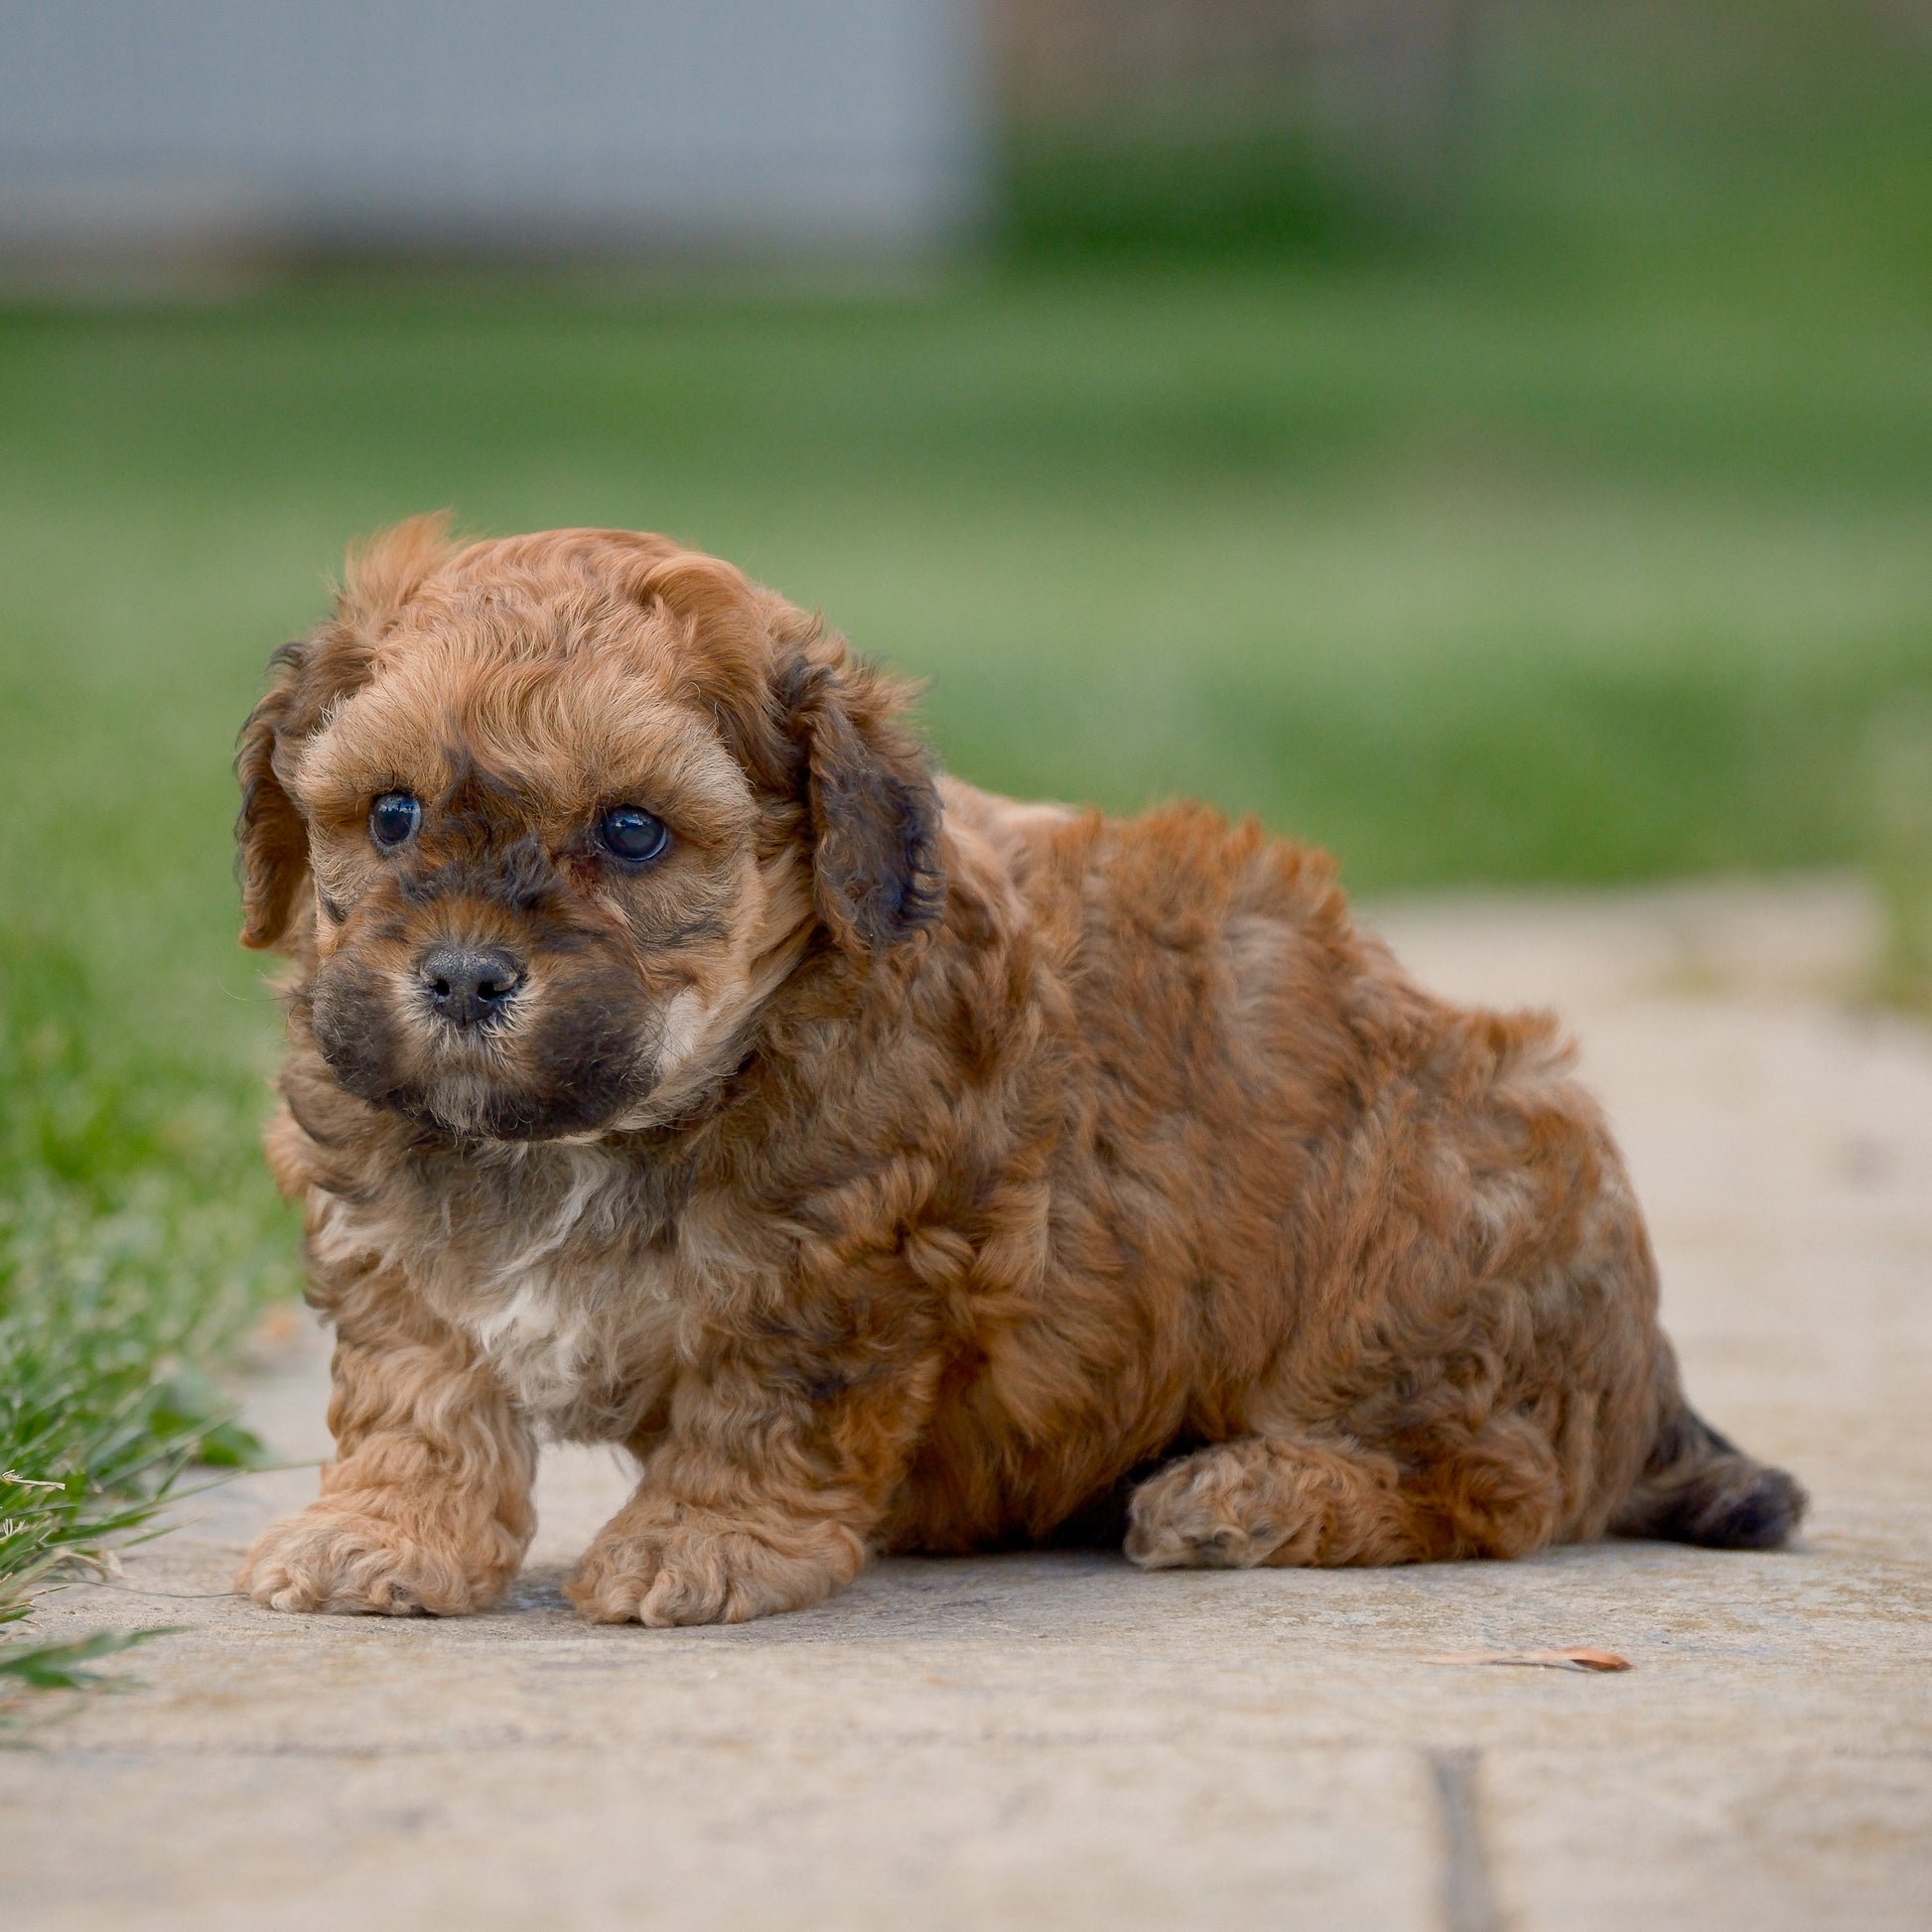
393 818
631 832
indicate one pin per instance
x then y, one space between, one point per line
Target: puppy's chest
588 1353
584 1308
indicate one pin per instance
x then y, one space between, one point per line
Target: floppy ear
306 677
874 813
824 727
272 855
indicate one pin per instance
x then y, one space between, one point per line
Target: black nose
468 985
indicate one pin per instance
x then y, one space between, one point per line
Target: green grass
103 1404
1582 537
136 1238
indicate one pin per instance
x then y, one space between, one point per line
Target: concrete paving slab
1058 1740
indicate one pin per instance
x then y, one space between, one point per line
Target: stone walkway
1058 1741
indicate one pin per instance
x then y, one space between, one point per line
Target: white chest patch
583 1319
587 1345
538 1341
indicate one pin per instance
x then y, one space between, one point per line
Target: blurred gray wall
158 128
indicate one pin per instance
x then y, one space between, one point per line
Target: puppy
676 1061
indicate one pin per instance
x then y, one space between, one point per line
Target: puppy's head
545 821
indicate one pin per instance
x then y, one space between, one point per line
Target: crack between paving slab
571 1740
1468 1895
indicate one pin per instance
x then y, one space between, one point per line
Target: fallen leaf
1573 1658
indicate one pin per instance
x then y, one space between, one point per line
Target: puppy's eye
630 832
394 819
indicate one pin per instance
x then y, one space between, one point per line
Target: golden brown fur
889 1166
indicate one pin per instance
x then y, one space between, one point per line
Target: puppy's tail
1698 1487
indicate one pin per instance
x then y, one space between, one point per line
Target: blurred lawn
1581 538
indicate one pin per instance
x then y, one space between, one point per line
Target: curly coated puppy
676 1061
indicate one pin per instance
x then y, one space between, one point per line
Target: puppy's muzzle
470 986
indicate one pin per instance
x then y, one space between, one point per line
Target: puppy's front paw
344 1564
702 1569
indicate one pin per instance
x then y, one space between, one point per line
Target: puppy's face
569 809
540 890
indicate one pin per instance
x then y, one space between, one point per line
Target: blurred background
1490 438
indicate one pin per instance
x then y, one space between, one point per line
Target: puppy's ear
812 722
306 677
874 813
272 843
